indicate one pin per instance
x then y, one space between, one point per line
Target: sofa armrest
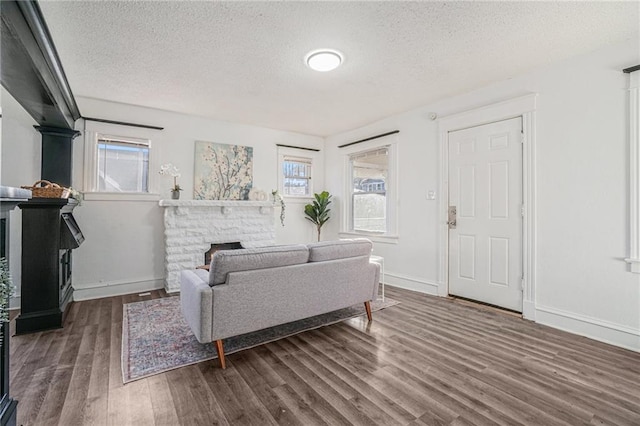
376 280
196 299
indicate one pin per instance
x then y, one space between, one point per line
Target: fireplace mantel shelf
214 203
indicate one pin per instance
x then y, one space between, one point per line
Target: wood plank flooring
427 361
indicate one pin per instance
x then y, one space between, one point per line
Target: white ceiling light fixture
324 59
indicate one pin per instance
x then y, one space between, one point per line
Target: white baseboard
116 288
593 328
529 310
410 283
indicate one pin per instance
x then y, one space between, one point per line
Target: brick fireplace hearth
191 226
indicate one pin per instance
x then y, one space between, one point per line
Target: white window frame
93 132
113 141
301 160
634 171
391 187
314 158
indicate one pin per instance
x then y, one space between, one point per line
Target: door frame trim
524 107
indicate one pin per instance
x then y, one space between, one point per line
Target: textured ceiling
244 61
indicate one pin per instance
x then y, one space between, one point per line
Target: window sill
297 200
376 238
120 196
635 265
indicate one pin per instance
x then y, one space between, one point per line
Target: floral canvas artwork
222 172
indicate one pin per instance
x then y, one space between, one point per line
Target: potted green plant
6 291
318 212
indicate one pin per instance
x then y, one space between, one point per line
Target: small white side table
380 261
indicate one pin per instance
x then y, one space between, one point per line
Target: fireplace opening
222 246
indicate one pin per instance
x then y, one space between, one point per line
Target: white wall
583 284
20 159
20 144
124 247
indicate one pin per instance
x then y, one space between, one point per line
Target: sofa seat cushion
340 249
225 261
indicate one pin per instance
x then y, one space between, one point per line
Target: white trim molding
410 283
634 262
634 171
120 196
525 107
382 238
214 203
115 288
592 328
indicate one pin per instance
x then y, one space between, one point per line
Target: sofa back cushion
225 261
340 249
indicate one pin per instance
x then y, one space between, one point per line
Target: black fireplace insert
221 246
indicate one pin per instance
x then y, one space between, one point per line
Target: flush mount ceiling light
324 60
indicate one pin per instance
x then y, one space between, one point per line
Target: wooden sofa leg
220 350
367 306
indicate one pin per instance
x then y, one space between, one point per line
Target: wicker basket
48 190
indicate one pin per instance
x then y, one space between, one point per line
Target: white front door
485 187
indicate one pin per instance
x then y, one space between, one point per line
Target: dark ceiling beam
393 132
30 69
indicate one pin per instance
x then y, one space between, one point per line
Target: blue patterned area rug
156 338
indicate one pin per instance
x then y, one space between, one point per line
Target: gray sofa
251 289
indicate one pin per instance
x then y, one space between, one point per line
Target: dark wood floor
427 361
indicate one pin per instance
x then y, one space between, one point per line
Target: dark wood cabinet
9 198
49 233
8 405
45 94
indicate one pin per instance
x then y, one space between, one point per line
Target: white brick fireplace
191 226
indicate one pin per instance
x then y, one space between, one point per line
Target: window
299 172
369 203
123 165
119 162
296 173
